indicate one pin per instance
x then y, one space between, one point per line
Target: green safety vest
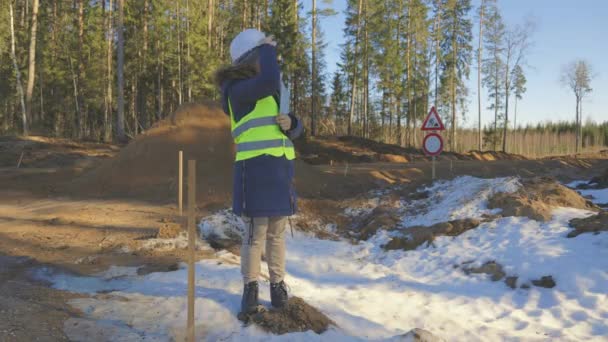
258 133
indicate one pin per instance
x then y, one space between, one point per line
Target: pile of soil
545 281
491 268
382 217
591 224
347 149
297 316
536 199
148 166
418 235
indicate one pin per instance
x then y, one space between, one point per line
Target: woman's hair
245 67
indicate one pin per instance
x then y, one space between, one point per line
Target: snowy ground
375 295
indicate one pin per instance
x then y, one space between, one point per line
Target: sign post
433 143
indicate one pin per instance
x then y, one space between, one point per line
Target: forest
107 70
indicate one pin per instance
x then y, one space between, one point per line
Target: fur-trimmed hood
234 72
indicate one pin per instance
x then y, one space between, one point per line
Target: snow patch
598 196
460 198
179 242
223 224
372 294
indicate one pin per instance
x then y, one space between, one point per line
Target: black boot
249 302
278 294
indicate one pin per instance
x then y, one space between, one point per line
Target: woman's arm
265 83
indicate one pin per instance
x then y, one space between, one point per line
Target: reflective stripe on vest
253 123
257 145
258 133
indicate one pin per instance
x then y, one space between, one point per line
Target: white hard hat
245 42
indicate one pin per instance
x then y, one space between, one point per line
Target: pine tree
456 59
493 64
519 88
338 101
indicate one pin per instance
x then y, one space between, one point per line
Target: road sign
433 122
432 144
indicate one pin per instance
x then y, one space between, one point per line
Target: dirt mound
382 217
493 155
592 224
342 150
601 181
147 167
491 268
536 199
297 316
545 281
418 235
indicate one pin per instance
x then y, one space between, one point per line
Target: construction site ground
83 207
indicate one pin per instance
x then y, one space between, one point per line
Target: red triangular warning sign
433 122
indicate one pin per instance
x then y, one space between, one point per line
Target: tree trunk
210 11
179 52
580 124
142 84
81 113
453 87
437 54
496 89
408 60
107 117
314 69
507 86
31 74
354 87
188 57
576 124
366 78
515 115
120 125
18 74
479 54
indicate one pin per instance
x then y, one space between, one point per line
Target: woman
264 168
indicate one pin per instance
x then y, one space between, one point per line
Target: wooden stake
180 192
20 159
191 245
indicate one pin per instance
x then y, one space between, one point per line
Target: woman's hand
284 122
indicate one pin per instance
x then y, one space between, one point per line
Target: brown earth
591 224
30 310
544 281
491 268
297 316
83 206
601 181
419 235
347 149
536 199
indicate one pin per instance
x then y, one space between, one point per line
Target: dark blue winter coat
263 186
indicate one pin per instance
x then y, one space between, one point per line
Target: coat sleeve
265 83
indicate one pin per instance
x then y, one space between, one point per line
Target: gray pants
269 230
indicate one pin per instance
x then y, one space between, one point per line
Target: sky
565 30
